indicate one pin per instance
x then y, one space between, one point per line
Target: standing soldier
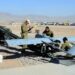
25 28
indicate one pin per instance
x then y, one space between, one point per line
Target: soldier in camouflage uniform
48 32
66 44
25 28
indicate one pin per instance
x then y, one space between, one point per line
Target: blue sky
38 7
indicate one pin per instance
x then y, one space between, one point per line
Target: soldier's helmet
27 21
65 39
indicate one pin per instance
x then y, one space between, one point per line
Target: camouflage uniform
24 33
48 33
65 46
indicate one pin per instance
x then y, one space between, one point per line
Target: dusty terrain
12 55
58 30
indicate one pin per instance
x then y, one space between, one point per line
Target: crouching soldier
48 32
66 44
38 34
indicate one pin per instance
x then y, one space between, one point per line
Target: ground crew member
66 44
38 34
48 32
25 28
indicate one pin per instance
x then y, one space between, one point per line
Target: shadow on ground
13 53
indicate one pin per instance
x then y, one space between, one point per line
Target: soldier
66 44
38 34
48 32
25 28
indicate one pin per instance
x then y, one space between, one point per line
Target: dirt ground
58 31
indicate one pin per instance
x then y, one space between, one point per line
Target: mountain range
6 17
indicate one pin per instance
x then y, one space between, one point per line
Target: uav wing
29 41
70 38
35 41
